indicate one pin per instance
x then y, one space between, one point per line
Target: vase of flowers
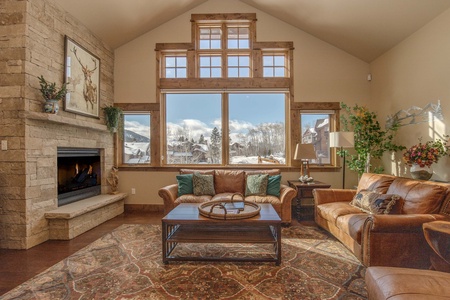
420 157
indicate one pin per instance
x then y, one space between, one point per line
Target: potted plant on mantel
51 94
113 118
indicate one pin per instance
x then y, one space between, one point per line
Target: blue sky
253 108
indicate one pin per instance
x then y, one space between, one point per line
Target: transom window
274 65
175 66
238 38
238 65
210 66
210 38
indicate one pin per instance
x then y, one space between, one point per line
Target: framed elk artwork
82 76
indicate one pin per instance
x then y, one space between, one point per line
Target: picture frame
82 76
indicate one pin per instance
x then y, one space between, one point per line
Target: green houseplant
371 142
113 118
52 94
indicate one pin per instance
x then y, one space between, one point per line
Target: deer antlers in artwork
89 88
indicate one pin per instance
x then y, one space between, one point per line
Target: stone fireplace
29 183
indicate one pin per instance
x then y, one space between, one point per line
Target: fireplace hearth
79 174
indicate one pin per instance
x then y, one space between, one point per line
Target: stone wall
32 37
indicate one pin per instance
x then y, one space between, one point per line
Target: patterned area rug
127 264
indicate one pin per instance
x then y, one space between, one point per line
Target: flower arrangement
426 154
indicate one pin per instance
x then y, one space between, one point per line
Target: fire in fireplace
79 174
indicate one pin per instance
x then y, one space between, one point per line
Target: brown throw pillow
373 202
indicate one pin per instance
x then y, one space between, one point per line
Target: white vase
422 173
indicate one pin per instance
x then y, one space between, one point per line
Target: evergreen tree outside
216 146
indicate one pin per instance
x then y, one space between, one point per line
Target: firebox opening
79 174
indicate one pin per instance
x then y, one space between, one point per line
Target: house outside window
136 138
315 129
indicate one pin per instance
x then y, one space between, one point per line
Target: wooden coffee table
184 224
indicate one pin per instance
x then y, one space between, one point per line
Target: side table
305 200
437 235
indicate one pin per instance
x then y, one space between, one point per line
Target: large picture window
257 128
193 129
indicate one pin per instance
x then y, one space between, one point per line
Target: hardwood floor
17 266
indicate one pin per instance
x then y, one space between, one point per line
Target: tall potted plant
52 94
113 117
371 142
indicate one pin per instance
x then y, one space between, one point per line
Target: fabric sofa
379 239
228 182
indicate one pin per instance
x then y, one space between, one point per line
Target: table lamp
342 139
304 152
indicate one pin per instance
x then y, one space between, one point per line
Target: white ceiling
363 28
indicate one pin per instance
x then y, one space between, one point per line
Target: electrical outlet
133 191
4 145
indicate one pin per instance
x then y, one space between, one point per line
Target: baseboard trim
129 208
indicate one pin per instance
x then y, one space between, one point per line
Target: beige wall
322 73
414 73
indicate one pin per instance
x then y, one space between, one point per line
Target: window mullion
225 131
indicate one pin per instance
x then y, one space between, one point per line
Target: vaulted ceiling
363 28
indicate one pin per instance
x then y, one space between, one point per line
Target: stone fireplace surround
45 134
32 44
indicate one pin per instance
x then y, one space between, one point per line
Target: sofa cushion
264 199
270 172
274 185
373 202
256 185
190 198
331 211
192 171
227 197
419 197
375 182
203 184
229 181
185 185
352 224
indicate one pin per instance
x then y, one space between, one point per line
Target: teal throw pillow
256 185
185 185
203 184
274 185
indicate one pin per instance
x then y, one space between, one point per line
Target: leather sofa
395 239
226 183
404 283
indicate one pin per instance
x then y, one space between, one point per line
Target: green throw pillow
185 185
274 185
203 184
256 185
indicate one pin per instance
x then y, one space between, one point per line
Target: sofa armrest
322 196
169 194
396 240
287 194
401 223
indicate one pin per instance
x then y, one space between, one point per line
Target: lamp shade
342 139
304 151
